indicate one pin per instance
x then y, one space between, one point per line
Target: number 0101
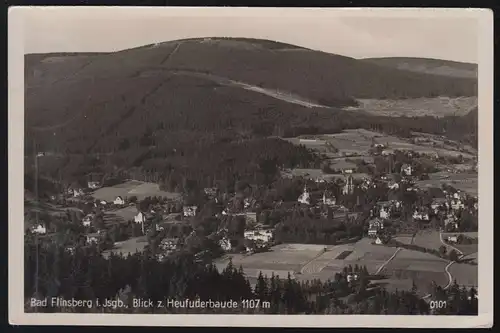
437 304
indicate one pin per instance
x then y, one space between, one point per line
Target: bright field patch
132 188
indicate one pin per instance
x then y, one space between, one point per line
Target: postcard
277 167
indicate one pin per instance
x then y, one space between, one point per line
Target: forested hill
185 99
428 66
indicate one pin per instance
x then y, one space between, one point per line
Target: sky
448 34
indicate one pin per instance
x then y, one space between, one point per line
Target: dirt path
388 261
311 266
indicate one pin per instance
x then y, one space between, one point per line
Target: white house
87 220
407 169
225 244
39 229
437 203
374 226
384 213
189 211
93 185
305 197
264 236
352 277
378 241
372 232
420 216
103 202
393 185
92 238
169 244
457 204
140 218
119 201
329 201
452 239
78 192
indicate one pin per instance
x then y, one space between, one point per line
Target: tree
442 250
261 289
453 255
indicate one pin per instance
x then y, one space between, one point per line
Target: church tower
348 187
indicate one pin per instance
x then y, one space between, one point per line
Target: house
249 203
384 213
225 244
387 152
264 236
70 249
420 215
348 187
437 203
378 241
457 204
345 167
78 192
352 277
92 238
140 218
305 197
169 244
406 169
87 220
329 201
376 223
374 226
189 211
103 202
210 192
39 229
452 239
93 185
119 201
372 232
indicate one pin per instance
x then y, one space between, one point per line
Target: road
446 269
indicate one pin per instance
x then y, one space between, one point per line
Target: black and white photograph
257 162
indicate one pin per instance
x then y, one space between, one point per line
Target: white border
16 167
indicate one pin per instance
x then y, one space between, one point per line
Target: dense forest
85 275
141 112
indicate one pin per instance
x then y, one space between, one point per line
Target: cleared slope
428 66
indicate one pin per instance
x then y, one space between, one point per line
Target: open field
132 188
422 268
280 260
418 107
357 143
466 182
125 213
466 275
428 239
305 262
127 247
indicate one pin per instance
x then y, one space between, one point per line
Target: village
375 213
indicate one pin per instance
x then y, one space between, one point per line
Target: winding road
446 269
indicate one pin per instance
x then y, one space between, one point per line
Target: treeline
85 275
302 229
